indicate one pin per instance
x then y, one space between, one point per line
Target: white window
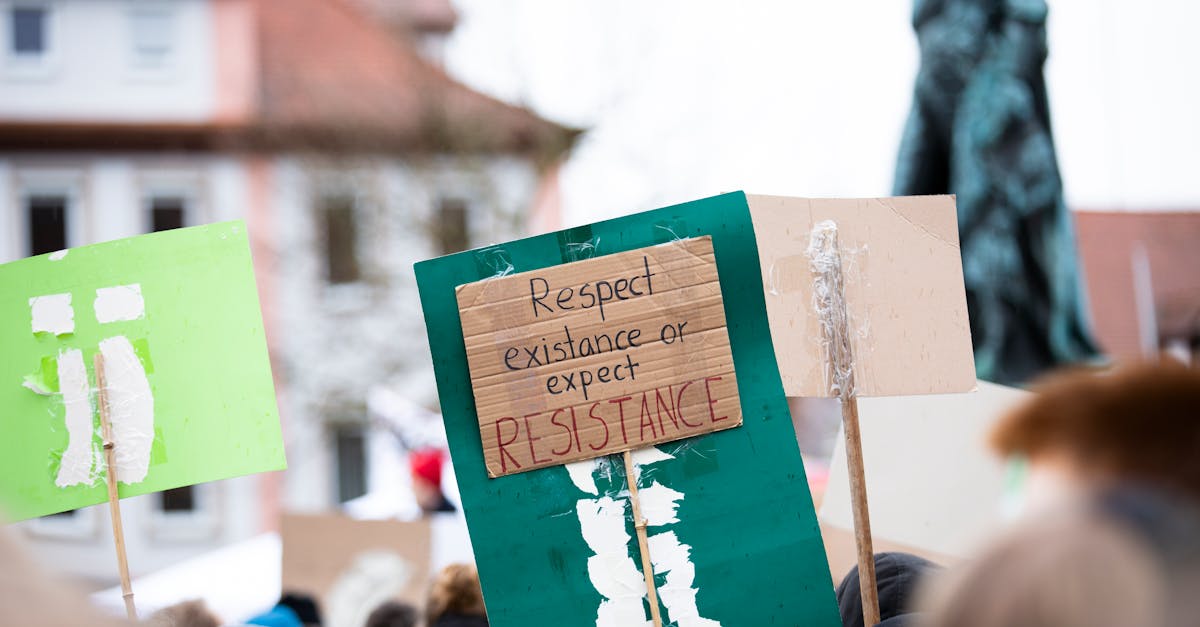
171 197
49 215
27 41
151 37
72 524
46 217
339 222
28 31
187 514
166 211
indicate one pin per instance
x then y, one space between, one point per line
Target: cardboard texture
599 356
740 514
943 466
352 566
904 293
182 307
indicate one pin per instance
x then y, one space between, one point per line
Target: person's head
184 614
393 614
455 591
1135 424
1058 571
303 604
426 468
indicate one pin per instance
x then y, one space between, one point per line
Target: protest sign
733 538
905 300
865 298
910 489
599 356
175 317
352 566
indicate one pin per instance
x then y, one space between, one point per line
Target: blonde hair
192 613
455 590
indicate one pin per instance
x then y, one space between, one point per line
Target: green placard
176 316
742 546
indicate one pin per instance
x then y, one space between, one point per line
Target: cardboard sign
599 356
353 566
733 537
909 487
906 303
175 315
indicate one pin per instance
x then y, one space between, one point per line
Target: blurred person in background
278 616
1112 529
304 605
393 614
30 598
426 465
192 613
456 600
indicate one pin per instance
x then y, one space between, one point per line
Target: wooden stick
639 523
862 517
829 294
114 502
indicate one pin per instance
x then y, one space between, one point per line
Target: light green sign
175 316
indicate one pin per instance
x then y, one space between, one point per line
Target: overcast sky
808 98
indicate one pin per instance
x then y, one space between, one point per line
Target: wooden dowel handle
862 517
639 523
830 297
114 499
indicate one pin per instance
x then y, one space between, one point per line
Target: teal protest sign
175 316
733 538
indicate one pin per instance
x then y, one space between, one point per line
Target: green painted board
194 338
745 513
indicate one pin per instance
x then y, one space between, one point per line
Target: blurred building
329 126
1142 270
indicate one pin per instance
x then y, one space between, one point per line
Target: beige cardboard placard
944 466
904 293
599 356
351 566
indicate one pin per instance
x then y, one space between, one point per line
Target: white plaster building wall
90 50
107 201
341 339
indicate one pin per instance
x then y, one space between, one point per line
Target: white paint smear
130 408
121 302
52 314
581 475
76 465
669 556
612 570
58 255
647 456
659 504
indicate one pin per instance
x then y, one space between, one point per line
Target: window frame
23 66
323 204
65 182
201 524
186 184
82 525
140 67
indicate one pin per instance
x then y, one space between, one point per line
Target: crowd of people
1113 539
455 600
